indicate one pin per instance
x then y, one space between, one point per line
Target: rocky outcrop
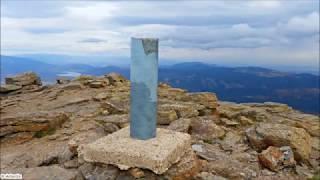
25 79
205 129
38 123
9 88
115 78
180 125
264 135
275 158
165 117
207 99
28 81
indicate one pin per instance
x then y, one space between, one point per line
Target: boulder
82 138
183 110
310 124
74 163
256 114
209 100
38 152
110 127
166 117
265 134
180 125
245 121
136 173
41 123
206 129
84 79
101 96
229 123
98 83
9 88
98 171
115 78
275 158
25 79
274 107
112 108
121 120
222 164
71 86
187 168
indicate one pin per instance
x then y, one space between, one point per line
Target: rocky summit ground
42 127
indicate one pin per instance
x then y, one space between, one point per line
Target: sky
239 32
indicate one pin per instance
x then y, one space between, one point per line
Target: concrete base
156 154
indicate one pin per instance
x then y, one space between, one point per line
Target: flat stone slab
156 154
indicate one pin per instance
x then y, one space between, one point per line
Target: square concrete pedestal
156 154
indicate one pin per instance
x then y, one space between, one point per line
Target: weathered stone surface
121 120
98 172
45 172
95 112
207 99
115 78
166 117
310 124
112 108
110 127
275 158
24 79
206 129
264 135
31 122
255 114
180 125
228 122
156 154
275 107
223 164
136 172
245 121
97 84
231 140
101 96
71 86
40 152
74 163
84 79
187 168
182 110
165 91
82 138
208 176
9 87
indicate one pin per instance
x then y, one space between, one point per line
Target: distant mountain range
237 84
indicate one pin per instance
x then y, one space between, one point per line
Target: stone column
144 83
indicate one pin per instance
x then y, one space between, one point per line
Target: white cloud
264 4
94 12
244 32
304 24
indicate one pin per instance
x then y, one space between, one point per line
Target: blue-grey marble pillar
144 83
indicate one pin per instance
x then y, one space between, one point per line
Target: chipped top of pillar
150 45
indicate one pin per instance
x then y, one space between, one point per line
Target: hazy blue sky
241 32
